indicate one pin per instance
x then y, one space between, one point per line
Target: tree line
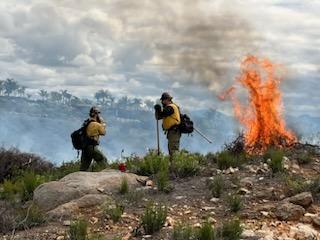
10 87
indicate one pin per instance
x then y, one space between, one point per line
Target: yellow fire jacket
173 119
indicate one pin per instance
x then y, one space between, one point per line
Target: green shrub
206 232
154 218
216 186
113 211
78 230
97 237
134 196
230 230
295 185
29 182
65 169
30 217
124 187
276 159
183 232
314 186
304 158
235 203
150 164
185 164
226 159
162 177
10 190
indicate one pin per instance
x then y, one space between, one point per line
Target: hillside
274 196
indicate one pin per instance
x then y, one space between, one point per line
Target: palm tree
10 86
99 95
65 96
149 104
56 96
136 103
43 94
21 91
1 87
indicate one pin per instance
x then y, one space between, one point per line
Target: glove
157 108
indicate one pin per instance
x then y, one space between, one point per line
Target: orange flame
262 117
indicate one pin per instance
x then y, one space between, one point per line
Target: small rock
94 220
264 213
169 222
180 197
197 225
243 191
247 182
101 190
214 200
211 220
208 208
316 220
60 238
248 235
149 183
66 223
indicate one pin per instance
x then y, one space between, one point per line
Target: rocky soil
269 212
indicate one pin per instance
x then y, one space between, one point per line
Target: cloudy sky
140 48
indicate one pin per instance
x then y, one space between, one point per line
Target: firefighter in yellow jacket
96 127
170 115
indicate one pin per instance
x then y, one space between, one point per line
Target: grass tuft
154 218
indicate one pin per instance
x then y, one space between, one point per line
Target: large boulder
304 199
287 211
76 185
66 210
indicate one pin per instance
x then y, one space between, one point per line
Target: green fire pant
173 137
89 153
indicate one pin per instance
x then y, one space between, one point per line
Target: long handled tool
202 135
158 137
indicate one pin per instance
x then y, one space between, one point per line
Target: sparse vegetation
134 196
124 187
216 186
112 210
78 230
274 158
154 218
235 203
206 232
183 232
226 159
185 164
29 217
305 158
230 230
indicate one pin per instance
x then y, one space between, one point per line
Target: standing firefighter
94 128
170 115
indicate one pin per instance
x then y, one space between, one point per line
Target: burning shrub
13 162
262 117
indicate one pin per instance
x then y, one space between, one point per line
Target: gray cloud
140 48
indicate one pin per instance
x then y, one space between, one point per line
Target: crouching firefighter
170 115
94 128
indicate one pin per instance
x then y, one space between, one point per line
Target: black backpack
186 125
79 137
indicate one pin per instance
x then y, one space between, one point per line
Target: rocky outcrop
303 199
289 212
74 186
